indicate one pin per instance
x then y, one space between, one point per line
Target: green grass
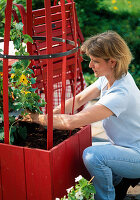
130 6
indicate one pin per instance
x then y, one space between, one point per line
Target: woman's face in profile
101 67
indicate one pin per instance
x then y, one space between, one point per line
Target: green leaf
27 38
17 53
17 42
1 134
32 89
25 63
1 66
19 26
26 54
22 131
33 81
18 105
12 132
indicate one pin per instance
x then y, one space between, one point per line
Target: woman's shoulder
126 85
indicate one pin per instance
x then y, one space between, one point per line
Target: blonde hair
109 45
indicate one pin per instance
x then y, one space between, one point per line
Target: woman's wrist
42 120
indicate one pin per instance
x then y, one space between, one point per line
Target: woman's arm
87 116
82 98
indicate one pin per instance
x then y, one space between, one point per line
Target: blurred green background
96 16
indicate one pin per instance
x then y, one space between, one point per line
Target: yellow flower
129 2
1 73
12 95
115 8
113 1
12 76
23 79
25 92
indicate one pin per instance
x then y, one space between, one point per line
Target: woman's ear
113 62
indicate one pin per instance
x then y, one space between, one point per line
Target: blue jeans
108 163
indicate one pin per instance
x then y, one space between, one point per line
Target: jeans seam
105 179
123 161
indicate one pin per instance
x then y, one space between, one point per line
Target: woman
118 107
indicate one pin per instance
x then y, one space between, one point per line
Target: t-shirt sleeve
115 100
98 83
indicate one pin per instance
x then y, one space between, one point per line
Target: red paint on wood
64 64
23 16
34 174
38 174
29 22
85 140
8 12
0 182
12 172
49 74
59 167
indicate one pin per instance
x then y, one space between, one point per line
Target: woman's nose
91 65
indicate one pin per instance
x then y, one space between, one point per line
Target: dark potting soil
37 136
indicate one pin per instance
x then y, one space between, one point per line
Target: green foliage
89 78
22 76
22 96
2 16
99 16
83 190
123 5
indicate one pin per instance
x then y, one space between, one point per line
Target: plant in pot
22 96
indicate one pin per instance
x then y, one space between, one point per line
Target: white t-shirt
123 99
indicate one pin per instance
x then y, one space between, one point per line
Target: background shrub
97 16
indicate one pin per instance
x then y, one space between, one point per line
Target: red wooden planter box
34 174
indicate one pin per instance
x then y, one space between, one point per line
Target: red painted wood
8 12
1 197
23 16
67 161
54 9
55 17
12 172
15 15
38 174
85 140
49 74
56 26
64 47
40 47
64 159
76 54
59 169
29 24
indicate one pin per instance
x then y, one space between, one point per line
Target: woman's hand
35 118
31 118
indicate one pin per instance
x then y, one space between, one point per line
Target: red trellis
53 21
35 174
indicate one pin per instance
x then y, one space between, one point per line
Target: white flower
69 189
78 178
64 198
92 196
57 199
79 195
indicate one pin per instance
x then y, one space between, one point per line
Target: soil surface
37 136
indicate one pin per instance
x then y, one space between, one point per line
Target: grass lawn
131 6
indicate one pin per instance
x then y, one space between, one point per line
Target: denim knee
92 157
